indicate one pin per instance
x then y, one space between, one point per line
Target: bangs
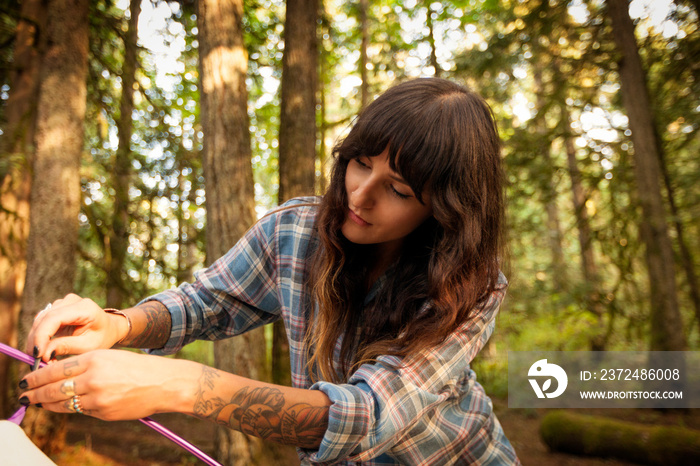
421 129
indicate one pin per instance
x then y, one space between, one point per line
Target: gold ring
76 404
68 388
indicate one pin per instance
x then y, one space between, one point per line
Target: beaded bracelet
128 322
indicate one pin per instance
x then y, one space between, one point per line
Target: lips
357 219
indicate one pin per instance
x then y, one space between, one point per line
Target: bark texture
15 183
666 325
228 176
297 138
580 434
119 237
55 195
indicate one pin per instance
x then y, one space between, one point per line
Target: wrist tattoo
158 325
262 412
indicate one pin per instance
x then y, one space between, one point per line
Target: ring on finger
68 388
43 311
76 404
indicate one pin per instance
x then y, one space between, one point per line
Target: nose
363 195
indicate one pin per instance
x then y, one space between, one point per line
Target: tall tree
297 134
666 325
15 178
363 11
228 176
55 194
585 236
543 146
119 235
430 16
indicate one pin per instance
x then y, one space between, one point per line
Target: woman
388 287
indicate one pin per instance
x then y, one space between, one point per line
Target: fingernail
36 351
53 355
24 401
39 405
23 384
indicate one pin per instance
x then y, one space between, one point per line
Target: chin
347 232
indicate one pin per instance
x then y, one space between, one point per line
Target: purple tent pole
19 415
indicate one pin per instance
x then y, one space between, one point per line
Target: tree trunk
55 194
549 190
585 239
431 39
15 184
554 234
666 324
363 7
119 237
297 137
686 256
579 434
229 184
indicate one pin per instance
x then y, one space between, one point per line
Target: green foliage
264 23
492 374
166 216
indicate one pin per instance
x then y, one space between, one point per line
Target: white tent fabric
17 450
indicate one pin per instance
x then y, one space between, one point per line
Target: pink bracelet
110 310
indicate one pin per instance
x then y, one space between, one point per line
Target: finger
54 374
50 326
68 406
68 300
69 345
59 407
57 392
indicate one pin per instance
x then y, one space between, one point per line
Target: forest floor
96 443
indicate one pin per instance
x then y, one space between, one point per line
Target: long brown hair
448 144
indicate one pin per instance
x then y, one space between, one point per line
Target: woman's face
382 208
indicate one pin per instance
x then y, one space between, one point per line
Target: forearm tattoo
262 412
157 330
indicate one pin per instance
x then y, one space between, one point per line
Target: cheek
350 181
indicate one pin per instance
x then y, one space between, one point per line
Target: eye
399 194
360 162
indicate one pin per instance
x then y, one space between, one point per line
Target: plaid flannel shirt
430 411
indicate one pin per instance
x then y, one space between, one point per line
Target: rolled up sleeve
235 294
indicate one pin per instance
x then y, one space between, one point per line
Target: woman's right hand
74 325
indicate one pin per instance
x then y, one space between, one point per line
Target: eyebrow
399 179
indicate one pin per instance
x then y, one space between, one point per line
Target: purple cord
19 415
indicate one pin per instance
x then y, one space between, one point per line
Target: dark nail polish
36 351
23 384
53 355
24 401
39 405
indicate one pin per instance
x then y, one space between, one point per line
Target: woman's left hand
112 385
